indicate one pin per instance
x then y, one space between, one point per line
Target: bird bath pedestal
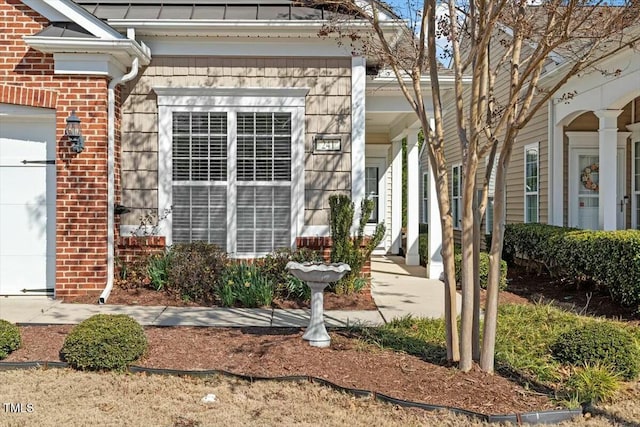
317 276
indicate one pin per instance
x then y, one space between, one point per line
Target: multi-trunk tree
507 60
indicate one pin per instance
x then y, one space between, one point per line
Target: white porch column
358 87
396 196
607 144
556 171
413 198
435 266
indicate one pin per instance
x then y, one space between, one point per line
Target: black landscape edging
539 417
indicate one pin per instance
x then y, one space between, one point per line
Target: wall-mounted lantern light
74 133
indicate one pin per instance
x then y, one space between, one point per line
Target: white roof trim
253 92
53 9
121 49
208 27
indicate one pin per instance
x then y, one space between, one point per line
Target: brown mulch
146 296
281 352
348 362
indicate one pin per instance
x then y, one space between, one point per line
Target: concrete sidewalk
398 291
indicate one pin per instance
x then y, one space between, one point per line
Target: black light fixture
74 133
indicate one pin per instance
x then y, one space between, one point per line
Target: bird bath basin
317 276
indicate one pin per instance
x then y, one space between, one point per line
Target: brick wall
323 245
27 78
128 248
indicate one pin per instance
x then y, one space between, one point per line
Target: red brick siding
81 221
323 246
128 248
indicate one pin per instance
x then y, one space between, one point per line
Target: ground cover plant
9 338
527 335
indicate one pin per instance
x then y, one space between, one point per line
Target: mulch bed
281 352
145 296
348 362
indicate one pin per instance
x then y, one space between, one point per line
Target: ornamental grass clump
104 342
9 338
593 383
599 342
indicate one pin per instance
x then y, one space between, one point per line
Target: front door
584 188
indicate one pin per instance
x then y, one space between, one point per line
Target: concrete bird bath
317 276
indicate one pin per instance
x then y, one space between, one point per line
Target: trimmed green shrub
356 250
194 271
483 270
244 285
593 384
286 285
9 338
610 258
599 342
104 342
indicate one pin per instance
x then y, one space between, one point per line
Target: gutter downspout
111 179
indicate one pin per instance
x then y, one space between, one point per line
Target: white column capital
608 118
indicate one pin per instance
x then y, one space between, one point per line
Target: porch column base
435 269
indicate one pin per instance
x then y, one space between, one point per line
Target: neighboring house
577 163
233 118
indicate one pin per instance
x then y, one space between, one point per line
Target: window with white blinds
199 174
260 180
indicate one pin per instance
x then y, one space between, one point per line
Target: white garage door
27 200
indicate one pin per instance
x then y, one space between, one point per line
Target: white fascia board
230 96
211 27
237 46
73 13
389 83
123 50
53 15
87 64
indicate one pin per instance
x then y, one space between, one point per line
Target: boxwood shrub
599 343
610 258
104 342
9 338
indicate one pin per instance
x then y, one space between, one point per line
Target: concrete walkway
398 290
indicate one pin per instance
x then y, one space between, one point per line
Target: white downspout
111 179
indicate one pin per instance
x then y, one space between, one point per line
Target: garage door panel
22 272
27 200
23 230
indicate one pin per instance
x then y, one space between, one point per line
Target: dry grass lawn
64 397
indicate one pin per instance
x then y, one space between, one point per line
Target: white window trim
425 197
457 224
635 192
535 146
231 100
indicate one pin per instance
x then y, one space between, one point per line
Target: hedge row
609 258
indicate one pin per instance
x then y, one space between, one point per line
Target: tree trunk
467 268
487 358
450 295
477 222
